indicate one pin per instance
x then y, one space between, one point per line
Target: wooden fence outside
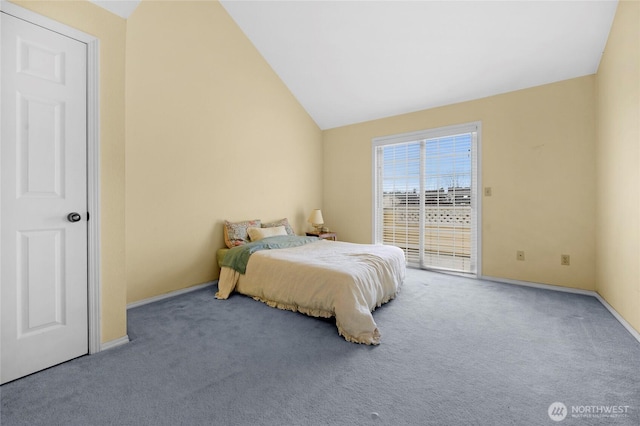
447 230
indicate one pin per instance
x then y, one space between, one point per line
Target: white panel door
43 262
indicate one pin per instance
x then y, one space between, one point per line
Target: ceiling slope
354 61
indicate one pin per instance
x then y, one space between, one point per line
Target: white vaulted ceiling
353 61
122 8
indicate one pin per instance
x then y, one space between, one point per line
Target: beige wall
212 134
618 166
110 29
538 156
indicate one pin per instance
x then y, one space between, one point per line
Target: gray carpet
454 351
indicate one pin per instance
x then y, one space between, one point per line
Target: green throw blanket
238 257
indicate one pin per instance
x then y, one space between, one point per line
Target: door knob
74 217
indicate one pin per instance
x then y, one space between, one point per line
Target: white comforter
324 279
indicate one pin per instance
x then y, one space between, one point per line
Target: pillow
259 233
235 233
282 222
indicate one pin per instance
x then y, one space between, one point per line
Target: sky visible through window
447 164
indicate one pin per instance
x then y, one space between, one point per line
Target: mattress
324 279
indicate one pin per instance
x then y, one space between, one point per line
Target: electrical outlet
520 255
487 191
565 259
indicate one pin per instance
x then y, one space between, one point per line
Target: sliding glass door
425 196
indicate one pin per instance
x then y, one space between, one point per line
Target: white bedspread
324 279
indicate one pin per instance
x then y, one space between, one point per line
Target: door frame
93 159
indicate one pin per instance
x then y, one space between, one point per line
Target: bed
319 278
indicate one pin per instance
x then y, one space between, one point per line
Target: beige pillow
256 234
282 222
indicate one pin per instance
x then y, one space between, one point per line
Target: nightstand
324 235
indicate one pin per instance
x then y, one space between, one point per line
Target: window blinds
425 202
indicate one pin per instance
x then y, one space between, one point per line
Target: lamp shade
316 217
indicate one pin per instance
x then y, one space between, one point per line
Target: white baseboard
622 321
595 294
616 315
170 294
114 343
538 285
125 339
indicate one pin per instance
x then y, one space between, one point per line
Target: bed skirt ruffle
369 339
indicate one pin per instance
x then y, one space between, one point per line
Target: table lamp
316 220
